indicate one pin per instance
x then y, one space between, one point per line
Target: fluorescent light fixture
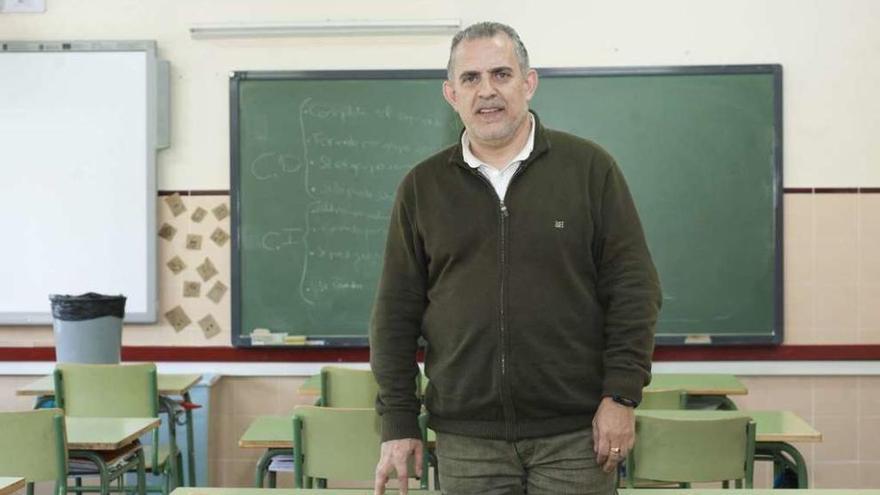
325 28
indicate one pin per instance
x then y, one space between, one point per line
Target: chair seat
164 453
82 466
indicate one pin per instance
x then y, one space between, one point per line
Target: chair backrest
692 446
107 390
336 443
663 399
347 387
110 391
33 445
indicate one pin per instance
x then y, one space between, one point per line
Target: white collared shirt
499 178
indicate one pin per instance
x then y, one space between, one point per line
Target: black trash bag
86 306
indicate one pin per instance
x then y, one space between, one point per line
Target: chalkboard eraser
698 339
295 340
262 336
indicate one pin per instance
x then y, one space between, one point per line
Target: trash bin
88 328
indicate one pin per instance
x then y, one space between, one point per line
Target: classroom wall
827 50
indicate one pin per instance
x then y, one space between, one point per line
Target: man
518 256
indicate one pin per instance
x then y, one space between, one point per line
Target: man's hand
394 456
614 435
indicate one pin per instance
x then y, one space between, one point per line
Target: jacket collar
542 145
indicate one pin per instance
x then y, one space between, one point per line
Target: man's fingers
419 459
602 448
402 474
610 465
381 479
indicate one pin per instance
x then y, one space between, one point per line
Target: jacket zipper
506 402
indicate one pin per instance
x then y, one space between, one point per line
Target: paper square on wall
176 265
219 237
221 211
167 232
217 291
175 204
192 288
194 242
178 318
207 270
210 327
198 215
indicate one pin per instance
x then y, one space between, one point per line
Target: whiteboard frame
152 141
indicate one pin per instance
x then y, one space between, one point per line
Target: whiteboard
77 168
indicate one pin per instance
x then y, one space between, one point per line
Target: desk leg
141 473
777 451
263 466
190 444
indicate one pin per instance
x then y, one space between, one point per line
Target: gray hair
489 30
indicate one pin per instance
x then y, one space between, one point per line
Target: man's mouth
489 110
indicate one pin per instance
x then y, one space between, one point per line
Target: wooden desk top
771 426
268 432
169 384
276 432
698 383
9 484
692 383
106 433
286 491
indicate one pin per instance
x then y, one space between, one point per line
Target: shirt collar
524 153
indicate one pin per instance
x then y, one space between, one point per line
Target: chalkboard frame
774 337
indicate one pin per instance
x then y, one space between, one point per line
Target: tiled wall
832 268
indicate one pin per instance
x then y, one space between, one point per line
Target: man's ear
449 93
531 83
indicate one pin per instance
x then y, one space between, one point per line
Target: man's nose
486 88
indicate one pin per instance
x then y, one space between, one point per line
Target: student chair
340 444
692 446
347 387
112 390
33 446
663 399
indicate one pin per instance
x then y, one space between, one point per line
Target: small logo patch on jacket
559 224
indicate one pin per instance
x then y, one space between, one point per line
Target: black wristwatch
626 401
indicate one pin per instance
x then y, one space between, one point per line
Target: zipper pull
503 209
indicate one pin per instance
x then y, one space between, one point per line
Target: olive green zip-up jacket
533 308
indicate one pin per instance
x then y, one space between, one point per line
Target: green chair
33 445
692 446
339 444
663 399
347 387
110 390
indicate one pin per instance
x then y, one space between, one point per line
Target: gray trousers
561 464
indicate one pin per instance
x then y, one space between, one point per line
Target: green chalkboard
316 158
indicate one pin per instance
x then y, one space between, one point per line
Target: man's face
489 90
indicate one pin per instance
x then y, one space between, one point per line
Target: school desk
775 431
106 440
177 385
705 390
9 485
275 435
774 435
